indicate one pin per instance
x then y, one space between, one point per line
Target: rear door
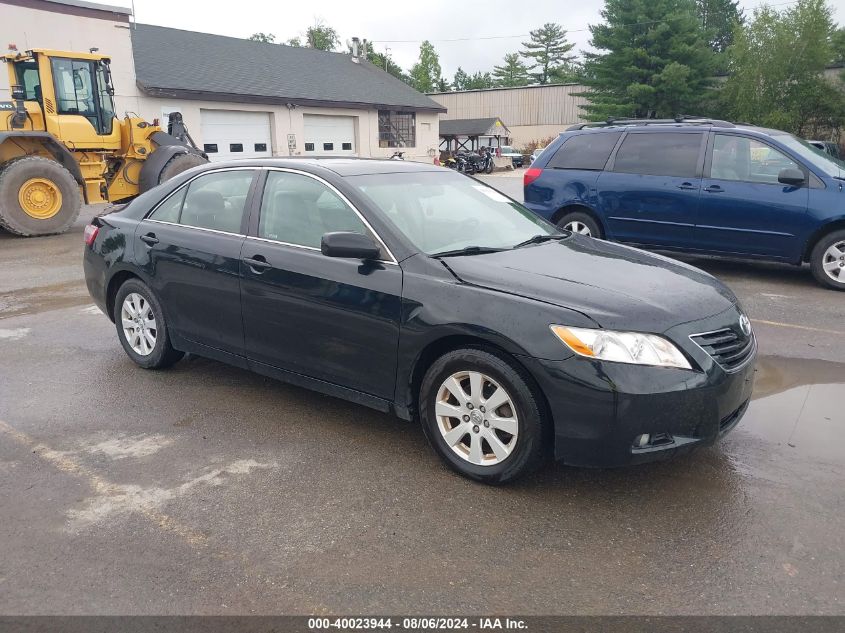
649 193
190 248
744 210
333 319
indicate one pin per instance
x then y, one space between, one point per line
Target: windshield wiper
541 238
468 250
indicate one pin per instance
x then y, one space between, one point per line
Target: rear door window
660 154
585 151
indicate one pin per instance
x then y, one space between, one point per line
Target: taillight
91 234
531 174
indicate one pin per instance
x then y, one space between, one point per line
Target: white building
238 98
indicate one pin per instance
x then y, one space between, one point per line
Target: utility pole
386 57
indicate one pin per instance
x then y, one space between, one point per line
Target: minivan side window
747 160
660 154
298 210
213 201
585 151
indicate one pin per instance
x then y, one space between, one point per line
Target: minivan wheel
141 326
581 223
827 260
481 416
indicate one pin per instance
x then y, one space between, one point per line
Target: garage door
329 135
228 134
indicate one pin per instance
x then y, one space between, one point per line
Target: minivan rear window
660 154
585 151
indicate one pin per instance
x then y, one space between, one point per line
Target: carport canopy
456 134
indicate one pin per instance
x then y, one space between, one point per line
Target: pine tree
653 60
461 80
512 72
719 18
425 74
548 51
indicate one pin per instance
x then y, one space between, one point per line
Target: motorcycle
398 156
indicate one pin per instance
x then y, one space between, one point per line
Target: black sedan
412 289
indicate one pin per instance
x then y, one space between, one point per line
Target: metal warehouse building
530 113
239 98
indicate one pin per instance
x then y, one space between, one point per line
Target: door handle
149 239
714 189
687 186
257 263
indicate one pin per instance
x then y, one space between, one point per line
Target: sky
471 34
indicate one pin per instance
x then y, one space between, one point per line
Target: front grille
728 347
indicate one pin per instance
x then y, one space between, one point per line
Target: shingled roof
492 126
173 63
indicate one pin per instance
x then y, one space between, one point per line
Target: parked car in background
365 280
697 186
828 147
535 154
516 157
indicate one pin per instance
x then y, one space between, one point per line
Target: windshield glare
445 211
815 156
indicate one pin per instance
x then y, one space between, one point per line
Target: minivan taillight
91 234
531 174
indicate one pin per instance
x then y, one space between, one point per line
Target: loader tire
37 197
178 164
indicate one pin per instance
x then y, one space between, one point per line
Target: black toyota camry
413 289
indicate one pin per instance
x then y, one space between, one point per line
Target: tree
425 74
837 43
386 63
321 36
442 85
548 51
653 60
461 80
776 67
719 18
267 38
294 41
512 73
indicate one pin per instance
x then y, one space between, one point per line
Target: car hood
617 286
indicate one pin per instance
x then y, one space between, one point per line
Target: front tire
827 260
37 197
581 223
142 328
178 164
482 417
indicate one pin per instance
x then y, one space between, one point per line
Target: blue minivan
697 186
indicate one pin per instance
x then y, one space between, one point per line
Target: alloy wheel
476 418
139 324
578 227
833 261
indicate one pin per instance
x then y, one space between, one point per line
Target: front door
649 194
190 248
744 209
332 319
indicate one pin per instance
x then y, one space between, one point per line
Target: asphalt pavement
207 489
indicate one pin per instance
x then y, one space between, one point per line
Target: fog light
642 440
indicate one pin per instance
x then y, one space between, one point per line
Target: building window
236 147
210 148
347 147
261 147
309 147
397 129
327 147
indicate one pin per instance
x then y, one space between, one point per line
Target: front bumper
601 408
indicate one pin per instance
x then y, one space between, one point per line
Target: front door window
747 160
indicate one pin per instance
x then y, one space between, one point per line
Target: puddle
43 298
798 404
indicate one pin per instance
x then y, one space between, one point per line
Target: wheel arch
829 227
115 282
50 147
576 207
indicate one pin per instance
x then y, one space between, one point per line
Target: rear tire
178 164
495 444
581 223
37 197
827 260
142 328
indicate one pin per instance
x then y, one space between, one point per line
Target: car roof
342 166
674 126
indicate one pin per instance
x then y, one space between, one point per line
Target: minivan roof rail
679 119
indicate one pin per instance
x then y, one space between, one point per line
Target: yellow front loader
61 143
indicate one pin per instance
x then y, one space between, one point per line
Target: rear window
660 154
585 151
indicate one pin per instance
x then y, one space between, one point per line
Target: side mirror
791 176
350 245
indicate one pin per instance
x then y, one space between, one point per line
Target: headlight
621 347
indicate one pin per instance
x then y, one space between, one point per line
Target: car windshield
507 149
813 155
444 211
